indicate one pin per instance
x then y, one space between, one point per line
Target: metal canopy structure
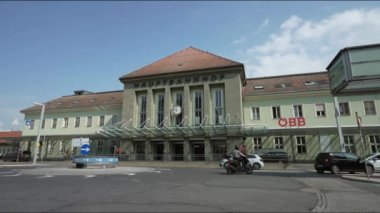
125 129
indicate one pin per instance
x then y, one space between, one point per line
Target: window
43 124
62 147
99 147
320 110
219 106
198 107
113 147
369 107
50 147
101 120
31 124
142 111
77 121
255 113
178 102
349 144
114 119
301 144
54 124
257 144
160 110
344 109
278 143
297 109
65 122
89 121
276 113
374 140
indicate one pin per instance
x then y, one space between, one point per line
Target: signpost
85 149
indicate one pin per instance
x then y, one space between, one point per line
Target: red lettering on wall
282 122
301 122
291 122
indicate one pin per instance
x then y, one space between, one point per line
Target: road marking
14 175
134 180
159 172
46 176
129 173
6 172
89 176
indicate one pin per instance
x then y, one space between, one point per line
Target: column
167 150
207 100
150 108
186 104
208 150
126 145
167 106
186 150
148 150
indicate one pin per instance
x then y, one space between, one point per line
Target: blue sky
49 49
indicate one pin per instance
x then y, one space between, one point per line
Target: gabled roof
81 100
189 59
287 84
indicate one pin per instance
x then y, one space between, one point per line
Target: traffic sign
85 149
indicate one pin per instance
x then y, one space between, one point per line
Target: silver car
374 160
256 162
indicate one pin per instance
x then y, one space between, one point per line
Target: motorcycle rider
240 157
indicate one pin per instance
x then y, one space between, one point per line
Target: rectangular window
349 144
301 144
257 144
278 142
54 124
198 107
101 120
320 110
297 109
369 107
65 122
43 124
113 147
160 110
255 113
219 106
142 111
62 147
276 113
374 140
31 125
178 102
114 119
89 121
77 121
99 147
344 109
50 147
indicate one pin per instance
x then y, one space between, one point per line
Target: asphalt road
180 190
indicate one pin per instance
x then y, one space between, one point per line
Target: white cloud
302 45
264 24
239 41
15 122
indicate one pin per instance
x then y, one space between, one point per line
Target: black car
337 162
17 156
275 156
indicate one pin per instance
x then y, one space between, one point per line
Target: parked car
256 161
374 160
337 162
21 156
276 156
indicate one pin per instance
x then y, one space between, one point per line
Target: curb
365 180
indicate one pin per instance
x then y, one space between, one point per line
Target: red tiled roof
10 134
189 59
100 100
287 84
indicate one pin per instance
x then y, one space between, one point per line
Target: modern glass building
196 106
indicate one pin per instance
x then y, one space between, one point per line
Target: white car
256 162
374 160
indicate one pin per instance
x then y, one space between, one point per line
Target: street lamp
39 129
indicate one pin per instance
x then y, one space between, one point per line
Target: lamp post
38 132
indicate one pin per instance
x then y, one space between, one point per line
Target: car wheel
230 171
351 172
335 170
248 168
256 166
370 170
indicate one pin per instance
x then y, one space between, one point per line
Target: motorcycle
233 166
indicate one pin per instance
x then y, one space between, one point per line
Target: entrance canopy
124 129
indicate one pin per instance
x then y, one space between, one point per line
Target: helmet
236 147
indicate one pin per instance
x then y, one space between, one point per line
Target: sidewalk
362 177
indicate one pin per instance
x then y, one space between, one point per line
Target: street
180 190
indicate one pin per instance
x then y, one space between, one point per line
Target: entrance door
140 151
177 152
159 151
198 152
